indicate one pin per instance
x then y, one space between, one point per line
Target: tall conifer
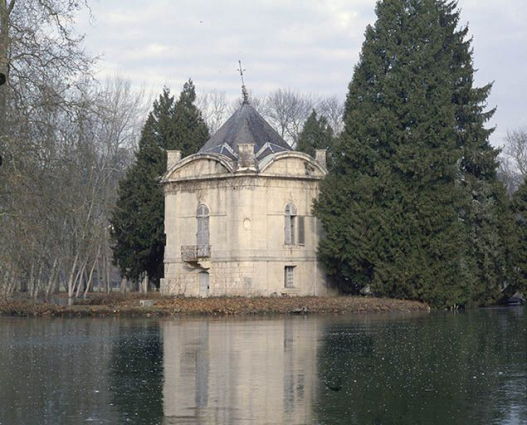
190 130
485 209
316 134
391 208
518 282
138 217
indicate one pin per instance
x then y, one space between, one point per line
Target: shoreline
129 305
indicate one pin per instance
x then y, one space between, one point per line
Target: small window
289 276
290 216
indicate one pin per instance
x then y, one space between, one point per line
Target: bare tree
516 149
118 119
508 174
59 196
333 110
255 101
214 107
38 48
287 111
513 159
66 141
42 57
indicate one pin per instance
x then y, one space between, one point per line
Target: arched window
202 236
290 216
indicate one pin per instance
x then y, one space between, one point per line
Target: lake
438 368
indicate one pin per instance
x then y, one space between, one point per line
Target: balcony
195 253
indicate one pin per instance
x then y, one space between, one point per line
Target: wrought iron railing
195 252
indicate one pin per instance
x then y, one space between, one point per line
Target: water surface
439 368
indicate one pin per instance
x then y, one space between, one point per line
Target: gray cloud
306 45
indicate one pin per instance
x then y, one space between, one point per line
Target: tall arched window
202 235
290 216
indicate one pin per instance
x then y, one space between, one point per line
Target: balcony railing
195 252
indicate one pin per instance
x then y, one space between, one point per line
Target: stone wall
247 229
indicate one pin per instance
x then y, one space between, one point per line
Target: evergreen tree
316 134
138 217
137 225
485 210
190 130
391 206
519 280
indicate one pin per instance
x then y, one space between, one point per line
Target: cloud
307 45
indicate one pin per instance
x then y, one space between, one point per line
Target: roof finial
245 93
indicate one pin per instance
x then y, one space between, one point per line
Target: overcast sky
306 45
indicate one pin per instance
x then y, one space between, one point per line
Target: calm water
441 368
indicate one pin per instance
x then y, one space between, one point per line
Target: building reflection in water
230 371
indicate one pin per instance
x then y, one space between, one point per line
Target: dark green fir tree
138 217
519 277
485 210
316 134
190 130
390 207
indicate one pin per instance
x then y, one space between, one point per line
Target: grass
116 304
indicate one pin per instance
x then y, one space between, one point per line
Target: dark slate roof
246 125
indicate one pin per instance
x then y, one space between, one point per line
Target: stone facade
242 224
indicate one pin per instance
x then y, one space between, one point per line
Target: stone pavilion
238 215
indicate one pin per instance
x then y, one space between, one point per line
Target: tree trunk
78 279
52 279
98 268
144 284
107 274
36 283
31 283
4 57
123 285
71 280
90 277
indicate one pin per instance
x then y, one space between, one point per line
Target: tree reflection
443 368
136 373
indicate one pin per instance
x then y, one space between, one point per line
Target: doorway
203 284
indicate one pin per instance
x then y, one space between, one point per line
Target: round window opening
247 223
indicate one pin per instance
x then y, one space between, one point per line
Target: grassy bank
129 305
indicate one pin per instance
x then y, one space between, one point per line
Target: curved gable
199 165
292 164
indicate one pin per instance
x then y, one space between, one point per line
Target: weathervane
245 93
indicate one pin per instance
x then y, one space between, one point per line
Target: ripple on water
466 368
